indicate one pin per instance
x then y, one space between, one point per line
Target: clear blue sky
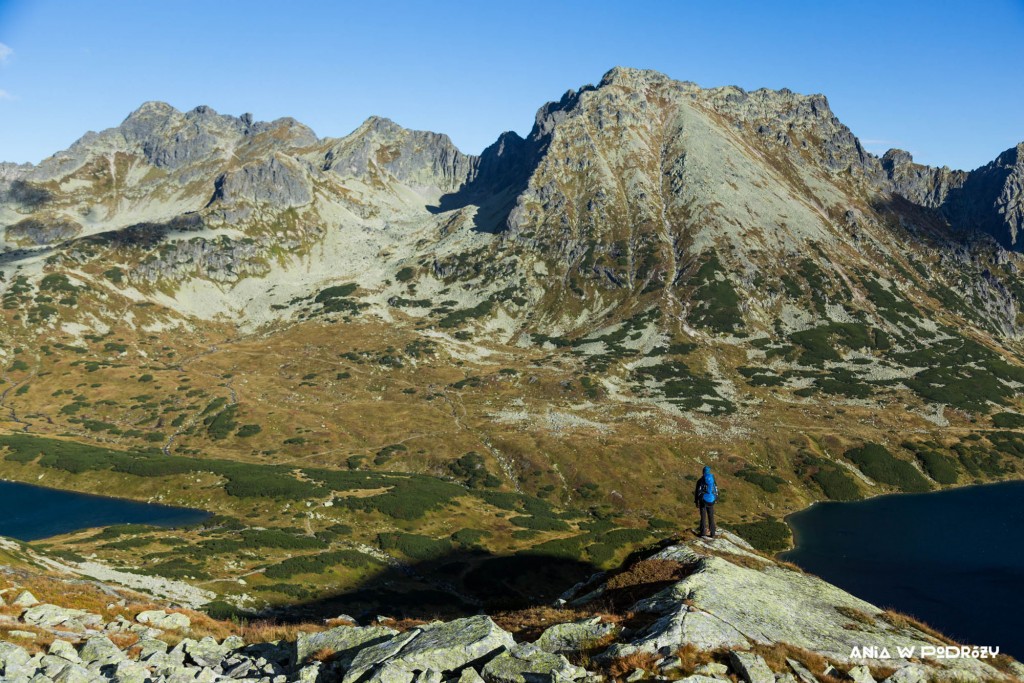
944 80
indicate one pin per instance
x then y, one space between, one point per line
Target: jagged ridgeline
397 367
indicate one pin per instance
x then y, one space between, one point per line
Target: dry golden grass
585 657
401 625
124 640
745 561
900 620
788 565
39 644
692 657
857 615
880 673
528 624
777 654
323 655
623 666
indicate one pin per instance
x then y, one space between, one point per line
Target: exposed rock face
343 641
988 200
417 158
273 181
724 604
754 600
38 231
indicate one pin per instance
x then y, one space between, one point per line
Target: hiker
704 496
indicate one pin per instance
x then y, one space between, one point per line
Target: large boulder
751 667
74 673
65 650
576 636
207 653
131 672
371 656
343 642
914 673
12 658
46 616
449 646
442 647
527 663
99 650
25 599
174 621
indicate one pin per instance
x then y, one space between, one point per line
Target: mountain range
381 342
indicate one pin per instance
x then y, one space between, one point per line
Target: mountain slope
539 345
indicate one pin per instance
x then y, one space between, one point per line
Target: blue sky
944 80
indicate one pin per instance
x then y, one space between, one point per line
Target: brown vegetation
900 620
623 666
527 624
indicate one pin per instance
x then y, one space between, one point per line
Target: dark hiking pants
707 518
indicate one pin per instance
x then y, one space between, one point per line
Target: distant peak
897 157
153 108
203 110
624 75
380 124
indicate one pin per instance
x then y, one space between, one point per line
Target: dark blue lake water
32 512
954 559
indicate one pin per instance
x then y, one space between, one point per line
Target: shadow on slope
502 173
460 583
467 582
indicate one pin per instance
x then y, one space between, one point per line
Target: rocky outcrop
732 604
417 158
274 181
43 230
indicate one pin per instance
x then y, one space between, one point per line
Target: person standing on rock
704 496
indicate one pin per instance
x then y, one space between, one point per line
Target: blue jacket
706 492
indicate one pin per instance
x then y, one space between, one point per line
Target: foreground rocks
735 608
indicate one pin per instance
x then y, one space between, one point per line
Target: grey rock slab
526 663
371 656
801 671
448 646
429 676
470 675
65 650
174 621
391 674
751 667
22 635
47 616
149 647
669 663
310 673
130 672
698 678
99 650
343 641
52 665
25 599
861 674
74 673
575 636
712 669
914 673
233 642
206 653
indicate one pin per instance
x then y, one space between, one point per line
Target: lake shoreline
32 512
955 551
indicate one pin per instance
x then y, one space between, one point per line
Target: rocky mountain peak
632 77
